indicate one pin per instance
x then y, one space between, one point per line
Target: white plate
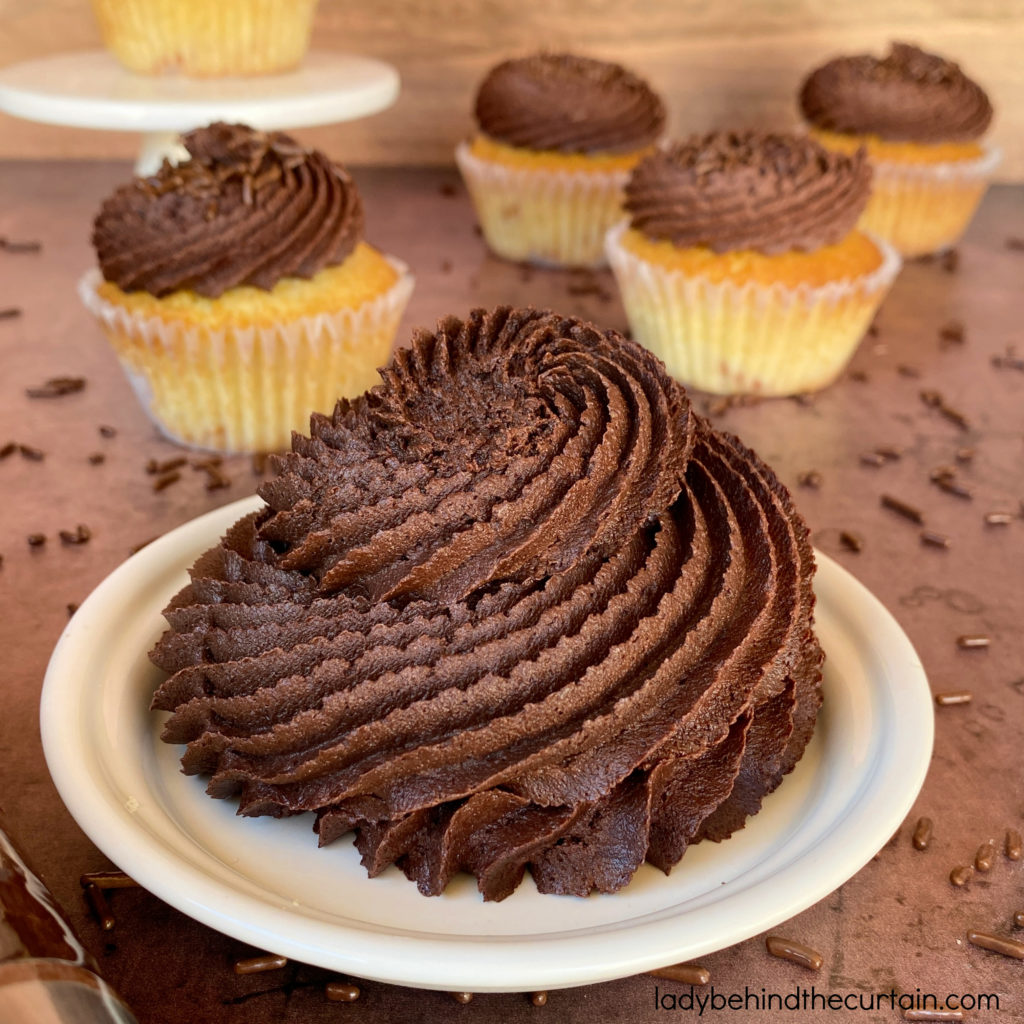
265 882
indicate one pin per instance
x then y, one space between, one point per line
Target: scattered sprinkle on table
996 943
795 952
57 387
915 515
922 834
950 697
969 641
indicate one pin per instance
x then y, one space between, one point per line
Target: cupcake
558 137
238 292
206 38
921 120
741 266
518 608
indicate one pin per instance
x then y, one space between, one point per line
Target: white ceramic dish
265 882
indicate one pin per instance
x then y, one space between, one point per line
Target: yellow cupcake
256 310
741 269
920 119
206 38
558 137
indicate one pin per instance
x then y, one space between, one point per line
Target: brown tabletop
897 925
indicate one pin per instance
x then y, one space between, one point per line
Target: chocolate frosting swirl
248 208
517 606
570 104
907 96
748 190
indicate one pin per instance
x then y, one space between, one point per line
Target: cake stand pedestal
91 90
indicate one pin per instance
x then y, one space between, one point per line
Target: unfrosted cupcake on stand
558 136
206 38
238 290
741 265
922 121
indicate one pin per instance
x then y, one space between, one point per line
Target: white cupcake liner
925 208
727 338
247 388
535 215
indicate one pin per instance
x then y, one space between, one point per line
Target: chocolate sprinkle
889 452
344 992
30 453
8 449
80 535
922 834
930 1015
1018 919
1013 844
961 875
952 331
99 906
165 481
154 467
1009 360
57 387
948 483
19 247
996 944
985 856
685 974
964 454
872 459
950 697
36 540
810 478
969 641
72 607
908 371
462 997
795 952
915 515
10 313
259 964
106 431
935 540
539 998
97 458
851 541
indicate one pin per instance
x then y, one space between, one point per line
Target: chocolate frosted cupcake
558 136
741 266
238 291
517 607
921 120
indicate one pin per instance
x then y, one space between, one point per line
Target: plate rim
413 959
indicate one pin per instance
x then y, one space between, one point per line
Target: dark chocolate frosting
568 103
518 606
748 190
248 208
907 96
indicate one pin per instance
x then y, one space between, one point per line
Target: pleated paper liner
206 38
925 208
727 338
552 218
245 389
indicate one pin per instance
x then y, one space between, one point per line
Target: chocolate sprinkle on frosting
517 606
907 96
248 208
570 104
748 190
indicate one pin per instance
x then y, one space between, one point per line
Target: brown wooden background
717 62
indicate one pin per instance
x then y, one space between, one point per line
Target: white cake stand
91 90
